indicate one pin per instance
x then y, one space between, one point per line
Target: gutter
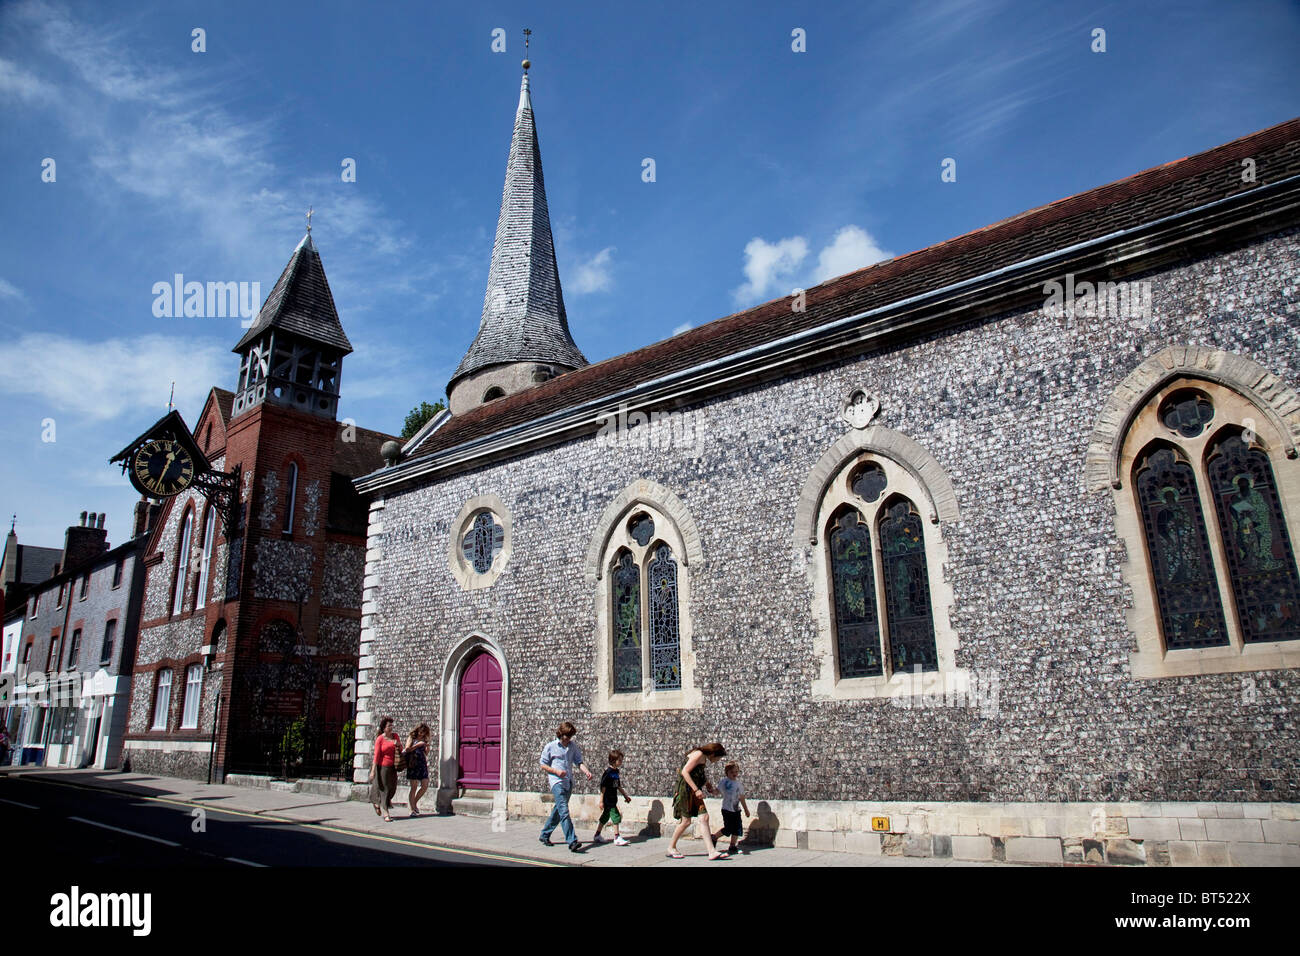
791 349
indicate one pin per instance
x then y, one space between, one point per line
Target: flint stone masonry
345 567
1005 406
282 570
170 641
338 635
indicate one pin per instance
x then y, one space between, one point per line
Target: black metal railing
292 754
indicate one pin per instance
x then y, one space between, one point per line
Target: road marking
142 836
19 804
235 859
506 858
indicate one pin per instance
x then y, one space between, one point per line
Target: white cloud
17 82
684 327
773 268
768 264
852 248
101 381
594 275
10 291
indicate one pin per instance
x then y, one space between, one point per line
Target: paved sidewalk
518 838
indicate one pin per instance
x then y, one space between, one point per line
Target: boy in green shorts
611 785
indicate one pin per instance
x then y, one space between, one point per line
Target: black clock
162 467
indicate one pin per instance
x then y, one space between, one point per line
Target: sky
791 142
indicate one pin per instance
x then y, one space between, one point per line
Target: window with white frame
193 692
182 563
162 700
209 532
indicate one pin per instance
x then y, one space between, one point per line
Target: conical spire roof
523 309
301 302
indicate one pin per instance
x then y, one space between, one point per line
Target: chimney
84 542
100 525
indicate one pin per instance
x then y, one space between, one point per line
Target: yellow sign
880 823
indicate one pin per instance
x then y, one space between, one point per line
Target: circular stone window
479 548
1187 412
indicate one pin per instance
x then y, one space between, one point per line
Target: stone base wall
1117 834
186 764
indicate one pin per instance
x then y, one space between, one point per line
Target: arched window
645 543
1206 502
868 532
162 700
209 532
291 497
644 565
182 563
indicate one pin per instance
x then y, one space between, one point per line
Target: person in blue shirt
559 759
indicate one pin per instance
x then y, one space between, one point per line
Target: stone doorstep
338 789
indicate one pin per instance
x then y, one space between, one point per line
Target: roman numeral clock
166 460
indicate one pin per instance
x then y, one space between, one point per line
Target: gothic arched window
182 562
645 544
1207 501
876 568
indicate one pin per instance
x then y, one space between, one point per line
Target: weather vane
309 211
527 34
170 396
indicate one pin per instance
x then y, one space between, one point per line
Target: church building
247 655
985 551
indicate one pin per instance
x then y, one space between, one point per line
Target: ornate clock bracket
221 489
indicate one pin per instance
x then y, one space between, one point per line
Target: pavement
508 840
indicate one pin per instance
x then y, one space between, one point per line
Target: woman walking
417 766
383 768
688 798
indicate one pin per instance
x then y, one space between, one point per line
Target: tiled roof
225 404
1142 198
301 302
523 308
361 455
36 564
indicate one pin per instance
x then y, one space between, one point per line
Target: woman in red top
383 768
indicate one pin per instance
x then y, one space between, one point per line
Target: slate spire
523 309
301 302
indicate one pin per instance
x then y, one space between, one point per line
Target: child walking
611 785
733 795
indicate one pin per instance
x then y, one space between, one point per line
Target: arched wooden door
479 745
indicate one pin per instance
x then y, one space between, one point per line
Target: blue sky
774 169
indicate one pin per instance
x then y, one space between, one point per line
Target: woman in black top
417 765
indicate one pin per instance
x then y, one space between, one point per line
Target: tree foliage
418 416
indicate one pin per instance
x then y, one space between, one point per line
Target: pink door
479 748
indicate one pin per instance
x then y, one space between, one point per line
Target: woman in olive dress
688 798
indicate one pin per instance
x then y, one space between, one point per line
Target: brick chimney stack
84 541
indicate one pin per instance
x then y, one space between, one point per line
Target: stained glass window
483 542
641 528
1261 563
1187 592
627 624
907 589
869 482
1187 412
665 641
853 581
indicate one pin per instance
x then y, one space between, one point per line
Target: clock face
162 467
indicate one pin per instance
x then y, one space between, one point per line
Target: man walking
559 759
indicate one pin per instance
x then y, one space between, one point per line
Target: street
78 826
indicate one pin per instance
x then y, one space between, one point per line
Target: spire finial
526 64
170 396
13 522
309 212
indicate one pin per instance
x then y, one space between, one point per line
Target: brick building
994 539
248 647
73 671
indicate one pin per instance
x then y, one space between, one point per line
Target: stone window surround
462 570
1239 389
181 570
448 767
912 472
675 526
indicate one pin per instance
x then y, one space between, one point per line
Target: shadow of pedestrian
761 832
653 822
